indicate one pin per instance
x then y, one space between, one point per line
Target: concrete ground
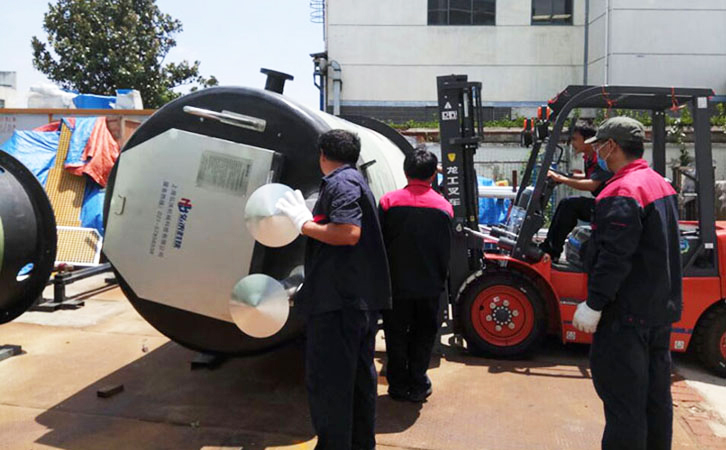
48 395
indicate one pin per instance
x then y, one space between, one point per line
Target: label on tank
224 173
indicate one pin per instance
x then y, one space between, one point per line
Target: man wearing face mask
572 209
634 291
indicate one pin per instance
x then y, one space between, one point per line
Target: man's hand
293 206
556 177
586 318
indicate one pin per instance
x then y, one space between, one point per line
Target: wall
8 92
681 44
391 57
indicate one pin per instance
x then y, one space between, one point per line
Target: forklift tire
502 315
710 339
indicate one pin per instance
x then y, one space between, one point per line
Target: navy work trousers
631 370
568 212
341 378
411 328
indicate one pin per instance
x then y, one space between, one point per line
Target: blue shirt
346 276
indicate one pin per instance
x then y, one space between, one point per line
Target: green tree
97 46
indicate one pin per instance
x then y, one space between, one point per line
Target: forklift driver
634 291
572 209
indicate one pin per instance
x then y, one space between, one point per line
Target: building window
462 12
551 12
2 103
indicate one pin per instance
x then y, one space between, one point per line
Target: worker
634 291
572 209
346 286
416 224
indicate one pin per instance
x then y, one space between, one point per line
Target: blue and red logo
185 206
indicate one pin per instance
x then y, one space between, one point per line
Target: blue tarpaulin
37 151
93 101
79 138
492 211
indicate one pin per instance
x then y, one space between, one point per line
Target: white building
8 90
523 51
658 43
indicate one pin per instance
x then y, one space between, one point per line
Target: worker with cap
634 291
346 286
572 209
416 224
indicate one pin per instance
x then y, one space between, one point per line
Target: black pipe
276 80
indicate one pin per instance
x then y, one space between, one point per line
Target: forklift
505 293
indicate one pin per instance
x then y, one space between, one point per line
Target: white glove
292 204
586 318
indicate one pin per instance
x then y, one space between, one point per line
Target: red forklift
505 293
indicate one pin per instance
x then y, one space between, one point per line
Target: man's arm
332 233
345 216
581 184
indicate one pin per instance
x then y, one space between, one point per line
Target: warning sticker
224 173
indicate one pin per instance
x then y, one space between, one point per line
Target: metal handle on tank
228 117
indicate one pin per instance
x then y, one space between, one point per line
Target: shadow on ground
252 402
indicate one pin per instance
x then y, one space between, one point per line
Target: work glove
586 318
292 204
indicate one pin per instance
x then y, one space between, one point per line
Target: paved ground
48 394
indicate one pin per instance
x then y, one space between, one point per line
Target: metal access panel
175 228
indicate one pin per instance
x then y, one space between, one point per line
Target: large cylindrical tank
175 226
27 238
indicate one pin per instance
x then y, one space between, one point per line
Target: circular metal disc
259 305
267 225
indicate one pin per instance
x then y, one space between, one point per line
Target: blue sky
233 39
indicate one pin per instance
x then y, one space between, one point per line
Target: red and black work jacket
634 257
416 224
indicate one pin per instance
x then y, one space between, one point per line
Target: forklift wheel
711 340
502 315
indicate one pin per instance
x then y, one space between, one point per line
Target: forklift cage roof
657 100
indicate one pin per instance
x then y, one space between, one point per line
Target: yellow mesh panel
79 246
65 192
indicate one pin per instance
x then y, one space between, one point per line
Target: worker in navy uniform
346 286
416 224
572 209
634 292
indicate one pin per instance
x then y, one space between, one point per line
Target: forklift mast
461 130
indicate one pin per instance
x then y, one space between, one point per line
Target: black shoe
545 247
420 396
399 394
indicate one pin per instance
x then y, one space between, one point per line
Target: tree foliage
97 46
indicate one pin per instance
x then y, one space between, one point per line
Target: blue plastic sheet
492 211
92 209
93 101
79 139
37 151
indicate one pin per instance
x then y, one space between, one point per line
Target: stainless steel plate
259 305
265 223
